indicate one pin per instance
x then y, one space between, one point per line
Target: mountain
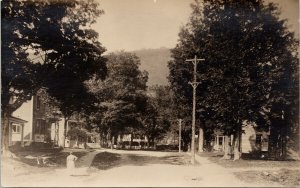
155 62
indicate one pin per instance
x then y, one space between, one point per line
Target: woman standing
71 163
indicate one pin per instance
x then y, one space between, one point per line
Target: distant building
254 139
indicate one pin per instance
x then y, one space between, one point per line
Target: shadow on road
106 160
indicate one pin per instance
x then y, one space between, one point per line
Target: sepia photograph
150 93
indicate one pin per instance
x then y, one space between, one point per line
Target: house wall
25 113
60 132
14 135
30 113
251 141
52 133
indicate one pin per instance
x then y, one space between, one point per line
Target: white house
29 123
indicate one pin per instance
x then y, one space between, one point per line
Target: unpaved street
135 168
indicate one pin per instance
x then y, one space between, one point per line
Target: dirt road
135 168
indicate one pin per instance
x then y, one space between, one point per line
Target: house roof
218 132
17 120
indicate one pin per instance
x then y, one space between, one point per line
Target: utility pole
179 144
194 84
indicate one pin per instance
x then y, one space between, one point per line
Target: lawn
57 156
285 177
107 160
248 163
59 159
265 171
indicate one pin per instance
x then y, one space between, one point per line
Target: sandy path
131 175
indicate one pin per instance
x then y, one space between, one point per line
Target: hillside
155 61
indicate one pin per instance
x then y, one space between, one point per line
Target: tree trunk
120 143
107 140
237 145
104 137
100 140
284 148
131 140
118 140
112 142
76 142
227 153
275 143
154 143
65 131
5 134
148 141
201 140
283 143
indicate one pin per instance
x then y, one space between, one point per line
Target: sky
136 24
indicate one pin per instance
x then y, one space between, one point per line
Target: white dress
71 162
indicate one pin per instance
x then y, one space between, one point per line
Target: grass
260 171
248 163
107 160
285 177
59 159
57 156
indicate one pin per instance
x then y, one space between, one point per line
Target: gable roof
17 120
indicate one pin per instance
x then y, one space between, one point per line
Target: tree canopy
249 53
50 45
121 96
157 118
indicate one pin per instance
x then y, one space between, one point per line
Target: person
71 163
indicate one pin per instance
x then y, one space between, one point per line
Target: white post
179 144
201 140
218 142
22 135
223 143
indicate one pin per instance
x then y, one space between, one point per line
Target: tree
283 105
77 135
17 72
246 47
66 53
76 59
157 117
121 96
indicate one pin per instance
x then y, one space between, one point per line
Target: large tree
48 44
121 96
157 118
17 72
247 50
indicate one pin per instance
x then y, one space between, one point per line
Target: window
16 128
258 139
220 140
40 127
38 103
